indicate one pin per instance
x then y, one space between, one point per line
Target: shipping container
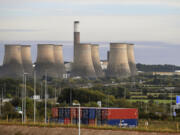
124 113
123 122
67 113
104 113
91 122
92 113
80 112
53 120
67 121
85 113
73 113
61 113
60 120
98 114
54 112
74 121
85 121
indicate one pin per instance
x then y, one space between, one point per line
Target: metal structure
12 64
26 59
131 59
96 60
59 61
118 61
45 61
83 64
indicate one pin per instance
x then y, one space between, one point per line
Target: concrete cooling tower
118 61
59 61
83 64
26 59
76 36
96 60
45 62
131 59
12 64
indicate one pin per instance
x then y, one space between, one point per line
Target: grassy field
153 126
155 100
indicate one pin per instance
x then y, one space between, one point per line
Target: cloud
174 3
21 30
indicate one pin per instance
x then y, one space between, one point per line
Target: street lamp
24 75
76 104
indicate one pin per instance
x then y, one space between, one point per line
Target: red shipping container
104 113
91 122
67 121
78 112
73 113
123 113
55 112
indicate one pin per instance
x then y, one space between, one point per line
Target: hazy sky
154 21
109 20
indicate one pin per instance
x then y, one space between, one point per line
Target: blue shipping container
61 112
85 121
104 122
92 114
61 120
53 120
98 114
85 113
123 122
67 113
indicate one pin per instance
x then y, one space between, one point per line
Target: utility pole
22 97
25 97
34 97
45 97
1 101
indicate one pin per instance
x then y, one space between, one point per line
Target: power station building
12 64
86 61
59 60
49 61
96 60
26 59
118 65
131 59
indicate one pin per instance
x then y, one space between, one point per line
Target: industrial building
83 64
12 63
96 60
131 59
118 65
86 63
27 59
49 61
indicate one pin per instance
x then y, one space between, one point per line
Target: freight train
122 117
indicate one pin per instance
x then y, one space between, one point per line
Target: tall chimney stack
76 36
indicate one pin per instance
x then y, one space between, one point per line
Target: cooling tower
96 60
45 61
83 64
26 59
131 59
12 64
107 56
118 61
59 62
76 36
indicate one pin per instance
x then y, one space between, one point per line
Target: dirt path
23 130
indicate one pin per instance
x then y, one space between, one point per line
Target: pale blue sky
141 21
